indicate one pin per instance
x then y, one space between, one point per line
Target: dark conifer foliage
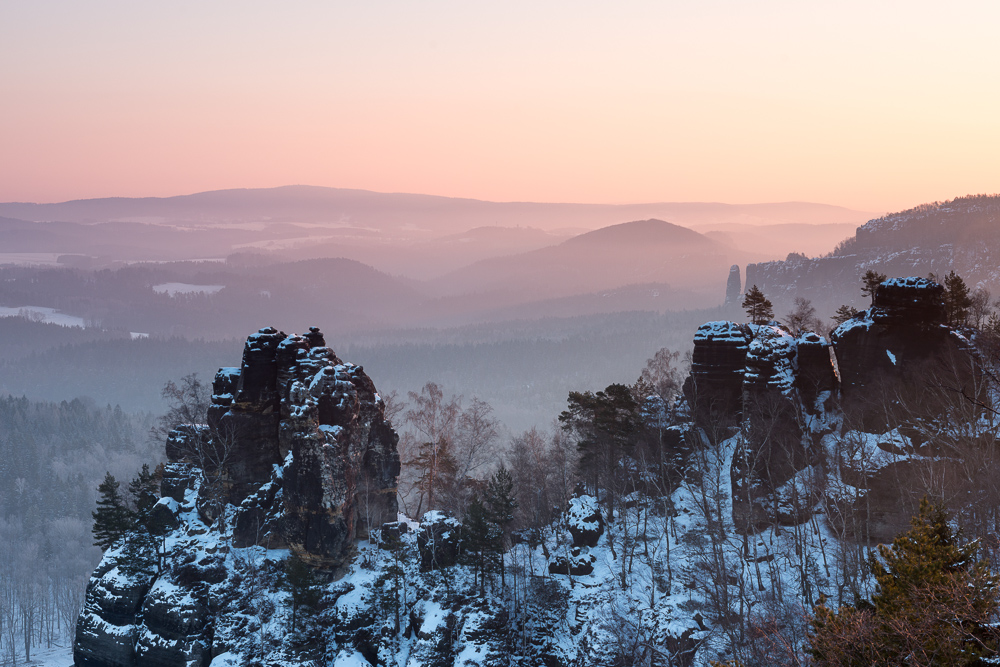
605 425
759 308
957 300
870 282
112 519
934 604
844 313
501 505
480 542
304 590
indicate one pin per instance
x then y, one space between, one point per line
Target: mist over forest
518 320
514 303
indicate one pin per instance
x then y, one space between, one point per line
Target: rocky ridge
957 235
795 400
296 455
783 458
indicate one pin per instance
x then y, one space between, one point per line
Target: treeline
120 371
354 296
22 336
526 379
51 457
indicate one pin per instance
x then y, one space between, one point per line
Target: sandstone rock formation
295 418
734 287
795 403
296 454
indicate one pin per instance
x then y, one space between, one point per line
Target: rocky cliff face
786 453
296 455
798 404
294 406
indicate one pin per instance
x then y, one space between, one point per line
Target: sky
876 106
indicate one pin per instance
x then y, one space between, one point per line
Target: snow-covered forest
51 454
710 512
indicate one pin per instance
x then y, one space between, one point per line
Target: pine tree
479 538
845 313
392 579
144 550
759 308
957 299
870 282
501 504
143 491
934 604
112 520
606 425
304 591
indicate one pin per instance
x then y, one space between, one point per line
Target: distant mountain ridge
347 207
632 253
962 234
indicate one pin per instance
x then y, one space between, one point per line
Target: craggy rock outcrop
293 405
106 631
800 405
892 348
816 376
438 541
577 563
715 385
584 520
296 454
734 286
773 444
891 357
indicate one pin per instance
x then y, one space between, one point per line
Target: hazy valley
120 297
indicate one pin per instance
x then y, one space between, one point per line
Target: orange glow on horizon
875 107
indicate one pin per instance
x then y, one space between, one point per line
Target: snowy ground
57 656
173 289
42 314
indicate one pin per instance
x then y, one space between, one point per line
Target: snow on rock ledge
296 441
585 521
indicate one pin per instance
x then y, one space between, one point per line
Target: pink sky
875 106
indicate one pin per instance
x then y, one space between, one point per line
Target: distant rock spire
733 286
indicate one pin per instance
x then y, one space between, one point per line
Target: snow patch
43 314
173 289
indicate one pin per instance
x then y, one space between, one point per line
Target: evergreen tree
759 308
391 581
606 425
500 498
933 605
479 541
143 492
501 505
145 546
957 299
870 282
112 519
845 313
304 591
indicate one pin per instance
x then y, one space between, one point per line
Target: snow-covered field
42 314
173 289
57 656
